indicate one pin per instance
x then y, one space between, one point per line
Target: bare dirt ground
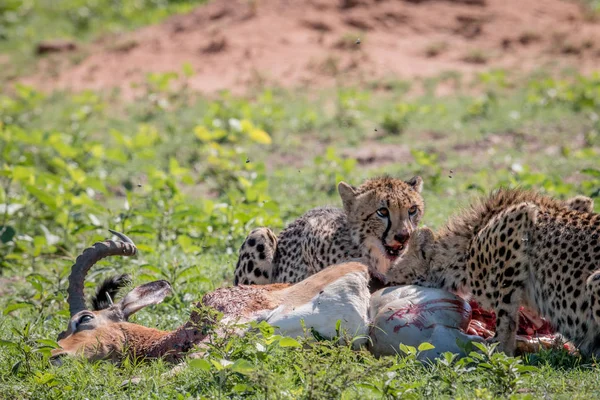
236 44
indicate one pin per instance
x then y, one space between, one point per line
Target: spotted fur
374 225
516 248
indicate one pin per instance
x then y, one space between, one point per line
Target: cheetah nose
402 236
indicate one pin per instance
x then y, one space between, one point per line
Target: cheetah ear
416 182
348 194
580 203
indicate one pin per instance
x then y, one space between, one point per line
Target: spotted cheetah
580 203
515 248
374 225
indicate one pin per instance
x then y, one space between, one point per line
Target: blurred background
242 44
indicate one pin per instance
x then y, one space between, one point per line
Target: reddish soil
236 44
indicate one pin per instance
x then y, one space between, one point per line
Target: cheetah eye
383 212
413 210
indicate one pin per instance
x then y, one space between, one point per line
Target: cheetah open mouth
393 251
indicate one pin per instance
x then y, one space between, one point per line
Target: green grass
187 177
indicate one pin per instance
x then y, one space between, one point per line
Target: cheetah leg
255 262
580 203
507 263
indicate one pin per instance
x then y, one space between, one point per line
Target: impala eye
383 212
413 210
85 318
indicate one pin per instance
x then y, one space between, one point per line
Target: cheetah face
382 213
413 268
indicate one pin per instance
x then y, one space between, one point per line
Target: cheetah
515 248
374 225
580 203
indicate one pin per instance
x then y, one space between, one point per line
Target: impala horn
87 259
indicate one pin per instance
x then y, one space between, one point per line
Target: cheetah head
382 213
413 268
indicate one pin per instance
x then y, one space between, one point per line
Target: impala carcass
318 302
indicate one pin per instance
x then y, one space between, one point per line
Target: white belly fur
345 299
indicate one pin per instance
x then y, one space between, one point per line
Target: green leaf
83 228
266 329
7 343
527 368
202 133
43 379
591 172
15 306
42 196
142 228
7 233
289 342
35 283
147 277
374 390
45 351
152 268
188 70
200 363
425 346
217 365
145 248
187 244
480 346
242 366
48 343
242 387
15 368
24 174
408 350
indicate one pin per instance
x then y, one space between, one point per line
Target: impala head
382 214
413 268
102 331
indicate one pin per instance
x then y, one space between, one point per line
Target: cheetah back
313 242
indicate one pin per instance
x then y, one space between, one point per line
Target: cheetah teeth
393 251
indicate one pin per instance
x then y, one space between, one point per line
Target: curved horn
123 237
87 259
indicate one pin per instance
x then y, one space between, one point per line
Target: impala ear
144 295
348 195
416 182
